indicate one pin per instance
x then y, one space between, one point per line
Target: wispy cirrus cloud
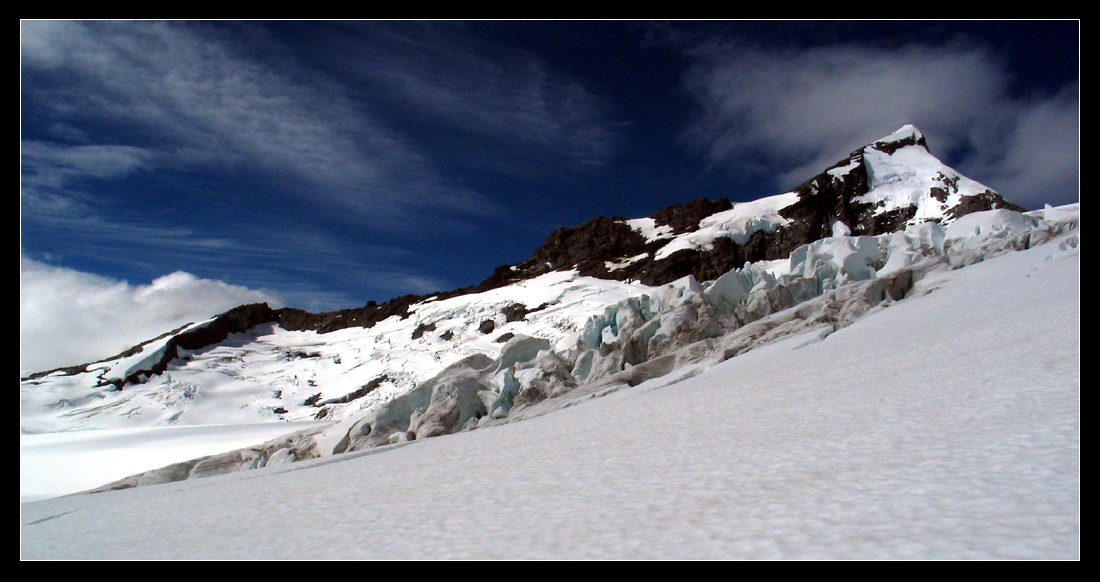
377 137
790 112
501 100
187 95
54 164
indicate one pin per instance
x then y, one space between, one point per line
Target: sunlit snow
908 395
737 223
908 175
946 425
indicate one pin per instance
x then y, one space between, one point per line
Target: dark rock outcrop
519 311
588 246
892 146
987 200
236 320
420 329
300 320
686 217
358 393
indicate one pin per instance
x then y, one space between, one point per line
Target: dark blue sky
331 163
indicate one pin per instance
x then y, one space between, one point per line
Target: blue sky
325 164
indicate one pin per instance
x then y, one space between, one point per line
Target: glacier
919 398
893 372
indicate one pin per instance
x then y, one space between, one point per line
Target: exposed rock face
586 247
420 329
519 311
889 146
236 320
366 316
356 394
686 217
987 200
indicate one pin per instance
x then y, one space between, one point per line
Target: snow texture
914 395
737 223
911 176
908 395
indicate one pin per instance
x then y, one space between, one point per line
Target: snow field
945 426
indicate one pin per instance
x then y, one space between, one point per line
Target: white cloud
68 317
48 169
1039 160
99 161
791 113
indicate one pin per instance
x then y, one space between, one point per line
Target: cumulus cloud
68 317
788 113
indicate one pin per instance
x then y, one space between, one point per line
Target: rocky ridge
832 202
598 247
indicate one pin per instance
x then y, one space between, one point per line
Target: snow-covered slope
942 423
264 366
572 322
253 365
268 374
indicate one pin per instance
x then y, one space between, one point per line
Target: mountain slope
612 302
826 286
881 188
946 425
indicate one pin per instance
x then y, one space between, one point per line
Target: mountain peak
883 187
907 135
